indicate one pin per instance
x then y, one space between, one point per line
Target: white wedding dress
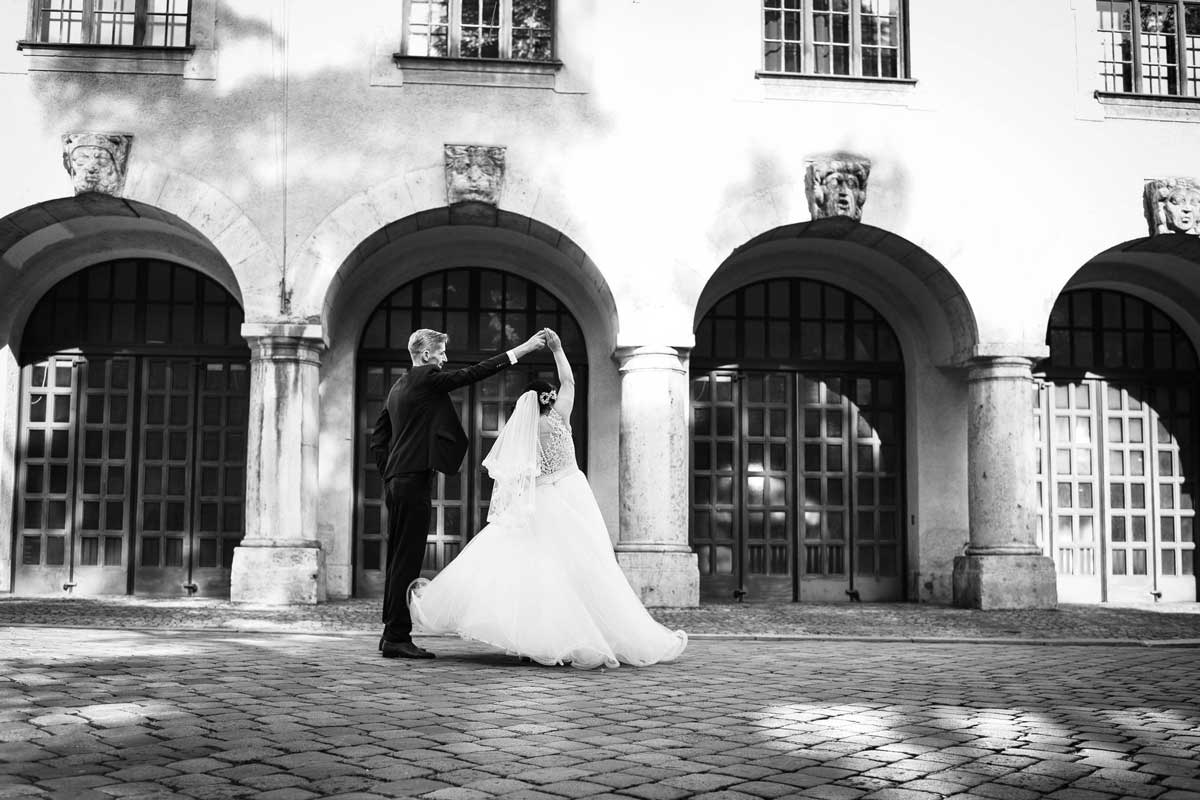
545 584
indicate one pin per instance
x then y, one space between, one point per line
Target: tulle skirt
550 589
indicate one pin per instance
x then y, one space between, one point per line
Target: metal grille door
1117 509
797 446
796 486
132 449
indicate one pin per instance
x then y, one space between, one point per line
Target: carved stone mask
837 187
1172 205
474 173
1182 208
97 161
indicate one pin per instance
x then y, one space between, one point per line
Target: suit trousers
409 510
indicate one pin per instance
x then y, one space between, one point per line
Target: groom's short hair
424 339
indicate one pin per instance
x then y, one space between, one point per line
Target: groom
417 433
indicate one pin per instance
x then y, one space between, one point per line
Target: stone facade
311 181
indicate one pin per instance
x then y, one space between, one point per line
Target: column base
666 578
278 574
991 582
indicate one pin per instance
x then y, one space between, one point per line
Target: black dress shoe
403 650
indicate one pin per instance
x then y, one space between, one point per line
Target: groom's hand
531 345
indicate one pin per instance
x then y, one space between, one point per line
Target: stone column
653 545
280 559
1003 566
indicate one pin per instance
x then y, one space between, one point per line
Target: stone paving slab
1168 623
169 713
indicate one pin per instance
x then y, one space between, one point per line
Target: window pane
1158 49
428 28
61 21
1116 45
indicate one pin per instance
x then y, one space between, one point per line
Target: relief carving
97 161
837 186
1172 205
474 173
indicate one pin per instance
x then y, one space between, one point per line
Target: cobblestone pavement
171 713
1163 622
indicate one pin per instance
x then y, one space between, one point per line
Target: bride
540 580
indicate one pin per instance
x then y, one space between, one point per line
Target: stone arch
44 243
920 297
466 235
1164 270
417 198
224 224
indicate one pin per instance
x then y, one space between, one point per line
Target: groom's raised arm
448 380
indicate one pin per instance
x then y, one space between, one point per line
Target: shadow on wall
310 141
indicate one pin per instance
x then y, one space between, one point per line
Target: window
136 23
1150 47
520 30
853 38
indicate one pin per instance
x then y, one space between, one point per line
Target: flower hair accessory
546 398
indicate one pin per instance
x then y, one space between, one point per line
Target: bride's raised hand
552 340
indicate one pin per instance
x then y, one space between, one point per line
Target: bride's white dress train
550 587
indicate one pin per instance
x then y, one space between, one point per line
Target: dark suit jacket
417 429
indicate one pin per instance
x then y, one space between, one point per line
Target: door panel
768 429
105 458
825 466
219 489
1175 495
45 509
370 557
1069 490
1129 514
875 419
715 496
164 546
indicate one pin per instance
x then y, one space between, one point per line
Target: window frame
37 8
454 37
807 44
1137 68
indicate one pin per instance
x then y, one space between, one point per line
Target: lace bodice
556 449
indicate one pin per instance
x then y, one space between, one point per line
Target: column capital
284 341
632 358
999 368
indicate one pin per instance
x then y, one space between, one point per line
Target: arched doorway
484 311
1116 420
797 446
131 447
